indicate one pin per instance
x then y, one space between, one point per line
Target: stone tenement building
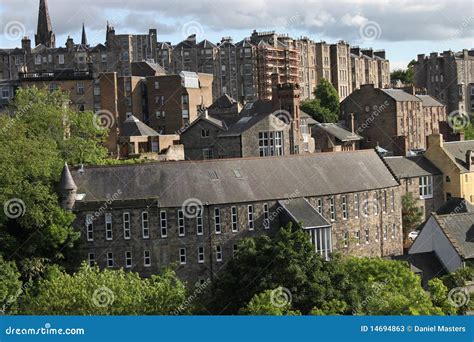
193 214
392 118
449 77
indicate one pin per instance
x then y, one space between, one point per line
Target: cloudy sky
403 28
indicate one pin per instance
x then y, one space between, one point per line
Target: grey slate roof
400 95
270 178
408 167
132 127
457 150
301 211
67 182
309 119
223 101
459 229
246 122
429 101
455 205
338 131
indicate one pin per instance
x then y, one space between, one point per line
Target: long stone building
192 215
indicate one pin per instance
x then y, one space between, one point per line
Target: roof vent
213 175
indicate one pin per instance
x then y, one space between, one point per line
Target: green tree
412 216
439 296
10 284
325 106
270 302
406 76
35 140
91 291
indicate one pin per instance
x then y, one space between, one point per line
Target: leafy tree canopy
325 106
412 216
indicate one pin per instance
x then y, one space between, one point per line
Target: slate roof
301 211
309 119
338 131
428 263
429 101
132 127
400 95
215 181
216 122
66 182
459 229
223 101
455 205
415 166
206 44
457 150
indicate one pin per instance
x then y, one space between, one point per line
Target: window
332 208
184 99
204 133
377 234
37 59
366 235
385 232
145 226
200 254
394 231
356 205
448 179
199 228
182 256
392 199
322 242
5 94
126 226
250 217
163 224
96 90
270 143
218 253
235 227
61 59
426 187
91 259
185 114
90 227
366 204
345 238
319 206
344 208
108 226
160 100
207 153
128 259
80 88
146 258
181 227
266 216
384 201
376 206
110 259
217 220
103 58
157 85
357 237
235 249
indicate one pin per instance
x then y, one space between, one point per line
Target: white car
413 235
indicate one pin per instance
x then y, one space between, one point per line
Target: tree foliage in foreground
325 106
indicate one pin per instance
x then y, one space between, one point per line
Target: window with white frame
110 259
356 205
61 59
394 230
157 84
319 205
344 207
201 254
250 217
385 232
108 226
128 259
217 220
181 227
145 225
182 256
90 227
367 237
146 258
199 227
80 88
345 238
91 259
332 208
218 253
426 187
270 143
366 204
235 227
376 205
126 225
384 201
357 237
207 153
377 233
392 199
266 216
322 241
37 59
163 224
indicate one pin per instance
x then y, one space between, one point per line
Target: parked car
413 235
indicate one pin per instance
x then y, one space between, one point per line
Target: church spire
84 37
44 34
